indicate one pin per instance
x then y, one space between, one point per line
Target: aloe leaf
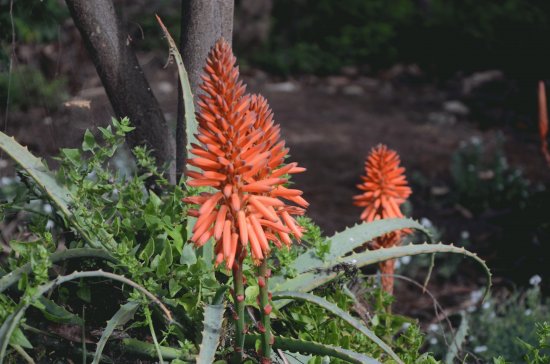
141 348
294 358
213 318
346 241
356 324
310 280
207 251
124 314
14 276
12 321
310 347
190 120
53 312
60 195
458 340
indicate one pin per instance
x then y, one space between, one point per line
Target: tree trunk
121 75
203 22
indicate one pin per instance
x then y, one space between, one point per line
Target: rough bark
122 77
203 22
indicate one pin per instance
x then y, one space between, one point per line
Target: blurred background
450 84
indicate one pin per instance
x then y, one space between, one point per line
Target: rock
353 90
369 83
349 71
386 90
479 79
282 87
337 81
456 107
331 90
442 118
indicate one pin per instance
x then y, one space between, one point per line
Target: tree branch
127 88
203 22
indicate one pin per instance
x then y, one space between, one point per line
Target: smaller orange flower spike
543 122
241 158
385 189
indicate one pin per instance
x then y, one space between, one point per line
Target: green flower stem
153 335
238 296
265 311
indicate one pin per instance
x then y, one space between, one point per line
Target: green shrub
29 88
484 180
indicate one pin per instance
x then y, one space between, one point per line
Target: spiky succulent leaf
211 332
310 347
124 314
191 126
315 278
346 241
458 340
356 324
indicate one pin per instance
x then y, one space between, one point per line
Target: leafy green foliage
332 34
309 322
508 328
323 36
538 354
28 88
484 180
33 21
133 215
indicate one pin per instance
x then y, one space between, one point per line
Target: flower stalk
238 315
240 157
265 312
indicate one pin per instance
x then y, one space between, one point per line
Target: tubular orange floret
385 189
240 157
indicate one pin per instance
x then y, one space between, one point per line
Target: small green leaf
188 256
18 338
176 236
83 292
148 251
89 143
155 200
166 259
173 287
72 155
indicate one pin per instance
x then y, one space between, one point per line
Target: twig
84 354
437 306
23 353
152 330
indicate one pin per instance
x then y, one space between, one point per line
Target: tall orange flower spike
543 122
385 189
241 157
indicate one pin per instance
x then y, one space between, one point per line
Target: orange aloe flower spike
543 122
384 189
240 157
